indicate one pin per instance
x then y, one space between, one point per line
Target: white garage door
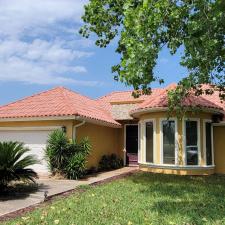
35 140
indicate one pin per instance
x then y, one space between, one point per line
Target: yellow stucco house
135 129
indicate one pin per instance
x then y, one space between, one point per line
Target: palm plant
56 150
14 163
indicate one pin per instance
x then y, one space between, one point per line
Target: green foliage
57 150
14 160
109 162
141 199
144 27
67 157
76 164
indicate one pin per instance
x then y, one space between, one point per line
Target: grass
142 198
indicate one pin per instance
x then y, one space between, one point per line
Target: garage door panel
28 137
35 140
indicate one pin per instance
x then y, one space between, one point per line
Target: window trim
204 141
199 141
161 141
139 142
154 140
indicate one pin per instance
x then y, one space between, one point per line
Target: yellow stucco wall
178 171
104 141
219 148
157 116
67 123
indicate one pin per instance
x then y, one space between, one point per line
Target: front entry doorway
131 144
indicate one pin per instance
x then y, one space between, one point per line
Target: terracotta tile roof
63 102
57 102
214 98
122 97
160 100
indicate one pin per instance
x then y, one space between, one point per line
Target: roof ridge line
74 92
68 89
110 93
31 96
67 98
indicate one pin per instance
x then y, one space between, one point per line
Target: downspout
75 127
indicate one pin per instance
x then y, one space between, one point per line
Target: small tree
56 150
144 27
14 164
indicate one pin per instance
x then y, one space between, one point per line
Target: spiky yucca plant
14 163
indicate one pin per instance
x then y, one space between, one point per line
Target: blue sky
40 48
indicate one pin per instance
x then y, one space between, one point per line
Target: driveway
9 204
35 195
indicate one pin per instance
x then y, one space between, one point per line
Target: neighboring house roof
57 102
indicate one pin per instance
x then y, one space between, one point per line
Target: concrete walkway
54 187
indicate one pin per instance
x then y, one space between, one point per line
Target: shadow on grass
198 199
21 191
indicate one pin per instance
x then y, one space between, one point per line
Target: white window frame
204 141
154 140
139 142
161 141
198 142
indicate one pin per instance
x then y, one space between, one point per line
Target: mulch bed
48 200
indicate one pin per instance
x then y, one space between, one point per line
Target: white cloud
41 50
18 70
17 16
38 44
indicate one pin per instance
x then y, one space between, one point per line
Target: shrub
56 152
14 161
76 165
67 157
109 162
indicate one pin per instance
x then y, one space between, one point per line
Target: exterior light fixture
64 129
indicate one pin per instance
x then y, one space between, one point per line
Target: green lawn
139 199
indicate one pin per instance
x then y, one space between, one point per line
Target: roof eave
36 118
138 112
69 117
99 122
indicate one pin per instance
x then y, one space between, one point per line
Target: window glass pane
149 142
168 142
191 133
192 142
208 144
